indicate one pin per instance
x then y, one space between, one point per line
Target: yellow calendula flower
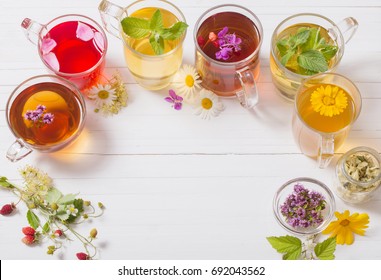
329 100
346 225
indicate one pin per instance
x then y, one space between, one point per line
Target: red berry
200 41
82 256
58 233
7 209
28 231
216 44
28 239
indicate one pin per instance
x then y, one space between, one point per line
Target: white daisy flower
102 95
71 210
208 105
187 82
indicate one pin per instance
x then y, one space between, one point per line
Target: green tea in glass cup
152 32
304 45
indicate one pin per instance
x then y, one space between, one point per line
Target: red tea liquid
221 78
59 101
78 47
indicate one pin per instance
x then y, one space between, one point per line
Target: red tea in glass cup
228 40
45 113
71 46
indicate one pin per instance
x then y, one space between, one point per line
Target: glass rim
331 205
369 150
71 75
273 38
65 83
299 92
160 56
257 24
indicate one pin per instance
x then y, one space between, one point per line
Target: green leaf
282 47
46 227
290 246
313 60
136 27
313 39
53 196
157 43
287 57
156 21
329 52
67 199
4 183
33 220
175 31
300 38
325 249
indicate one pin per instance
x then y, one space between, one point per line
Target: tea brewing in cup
228 40
45 113
303 45
326 106
71 46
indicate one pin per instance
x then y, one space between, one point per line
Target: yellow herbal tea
150 70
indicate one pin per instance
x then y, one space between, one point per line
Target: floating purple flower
174 99
228 44
39 117
303 208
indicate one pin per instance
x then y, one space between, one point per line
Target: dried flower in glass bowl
304 206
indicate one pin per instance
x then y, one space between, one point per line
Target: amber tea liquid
220 77
59 101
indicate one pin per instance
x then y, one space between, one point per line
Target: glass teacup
306 44
71 46
45 113
228 40
150 70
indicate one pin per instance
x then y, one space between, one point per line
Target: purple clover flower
39 117
303 208
228 44
174 99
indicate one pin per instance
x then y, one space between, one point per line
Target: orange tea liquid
59 101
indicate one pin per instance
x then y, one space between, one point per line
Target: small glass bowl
312 185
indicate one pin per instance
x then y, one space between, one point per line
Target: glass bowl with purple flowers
304 206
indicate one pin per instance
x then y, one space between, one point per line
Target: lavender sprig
39 117
303 208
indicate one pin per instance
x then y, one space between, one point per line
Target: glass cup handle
248 96
31 29
326 151
111 15
18 150
348 27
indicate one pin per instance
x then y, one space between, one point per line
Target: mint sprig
138 28
310 53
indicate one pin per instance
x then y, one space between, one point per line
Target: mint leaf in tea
306 49
153 27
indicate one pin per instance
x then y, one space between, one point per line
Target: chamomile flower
208 105
187 82
102 95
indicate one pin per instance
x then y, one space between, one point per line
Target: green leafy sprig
293 248
311 51
139 28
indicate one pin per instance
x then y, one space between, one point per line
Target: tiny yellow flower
329 100
346 225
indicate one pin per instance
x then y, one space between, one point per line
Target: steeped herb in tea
157 30
305 49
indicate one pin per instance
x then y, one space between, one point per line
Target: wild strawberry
212 36
28 239
58 233
200 41
28 231
82 256
7 209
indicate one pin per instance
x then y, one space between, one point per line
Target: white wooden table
175 186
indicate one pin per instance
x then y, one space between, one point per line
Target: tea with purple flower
232 40
45 114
